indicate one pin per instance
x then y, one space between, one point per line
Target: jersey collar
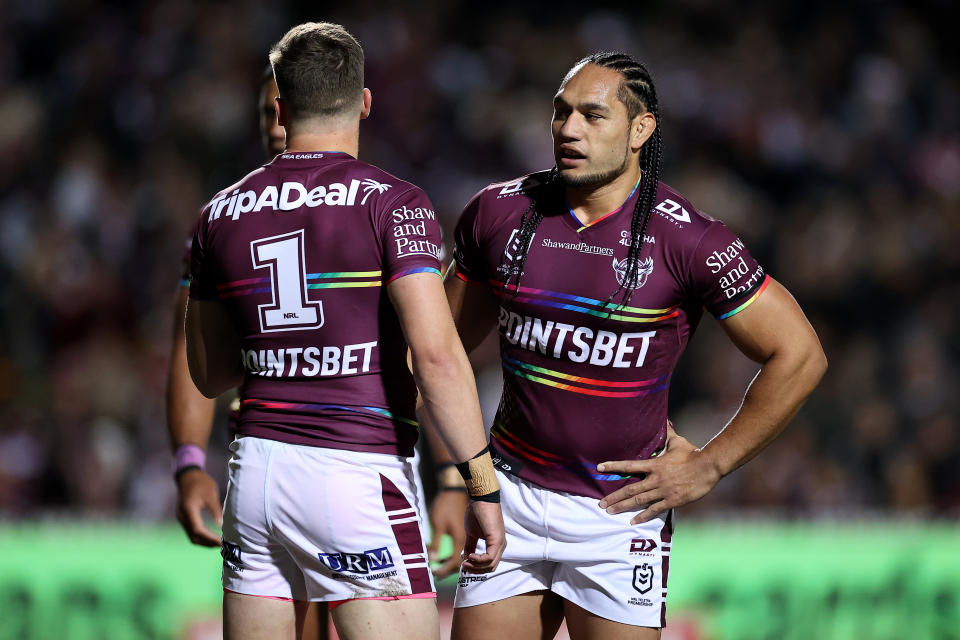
579 226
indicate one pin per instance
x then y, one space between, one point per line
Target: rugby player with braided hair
596 274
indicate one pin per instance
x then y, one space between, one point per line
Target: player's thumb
469 544
216 510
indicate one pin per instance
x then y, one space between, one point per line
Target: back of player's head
319 69
266 75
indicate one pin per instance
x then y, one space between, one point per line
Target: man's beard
597 179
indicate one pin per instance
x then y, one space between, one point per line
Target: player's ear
282 115
642 127
367 102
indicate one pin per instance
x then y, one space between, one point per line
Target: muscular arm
772 331
473 309
449 396
439 364
189 413
190 421
776 334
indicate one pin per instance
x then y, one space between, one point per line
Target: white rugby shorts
567 544
311 523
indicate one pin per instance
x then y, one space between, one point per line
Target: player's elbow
201 380
436 362
812 364
206 389
209 382
211 387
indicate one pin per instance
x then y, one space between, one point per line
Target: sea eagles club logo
644 269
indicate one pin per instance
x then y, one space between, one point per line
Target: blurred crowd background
827 135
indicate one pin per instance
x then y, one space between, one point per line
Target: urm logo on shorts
370 560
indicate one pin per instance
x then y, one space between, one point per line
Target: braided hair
637 92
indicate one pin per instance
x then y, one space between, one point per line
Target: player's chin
568 175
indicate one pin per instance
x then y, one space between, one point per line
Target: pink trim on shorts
259 596
333 604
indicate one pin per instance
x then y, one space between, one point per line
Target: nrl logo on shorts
644 269
643 578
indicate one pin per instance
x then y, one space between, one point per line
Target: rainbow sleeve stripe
582 385
344 279
246 287
326 280
407 272
184 282
585 305
254 403
766 281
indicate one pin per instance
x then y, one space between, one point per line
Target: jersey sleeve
466 250
726 278
410 236
203 286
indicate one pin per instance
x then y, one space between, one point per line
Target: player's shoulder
374 179
508 198
675 216
525 187
242 184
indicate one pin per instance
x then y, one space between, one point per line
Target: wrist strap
479 476
493 496
188 456
182 470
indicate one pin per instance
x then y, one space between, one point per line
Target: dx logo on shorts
370 560
643 577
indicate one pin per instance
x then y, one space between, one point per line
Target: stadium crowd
826 134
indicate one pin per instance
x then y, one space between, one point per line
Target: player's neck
347 141
589 204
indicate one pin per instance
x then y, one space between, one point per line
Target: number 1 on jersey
290 310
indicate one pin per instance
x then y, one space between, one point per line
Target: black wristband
464 467
182 470
460 489
493 496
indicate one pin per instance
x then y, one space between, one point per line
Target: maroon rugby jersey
583 383
300 251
